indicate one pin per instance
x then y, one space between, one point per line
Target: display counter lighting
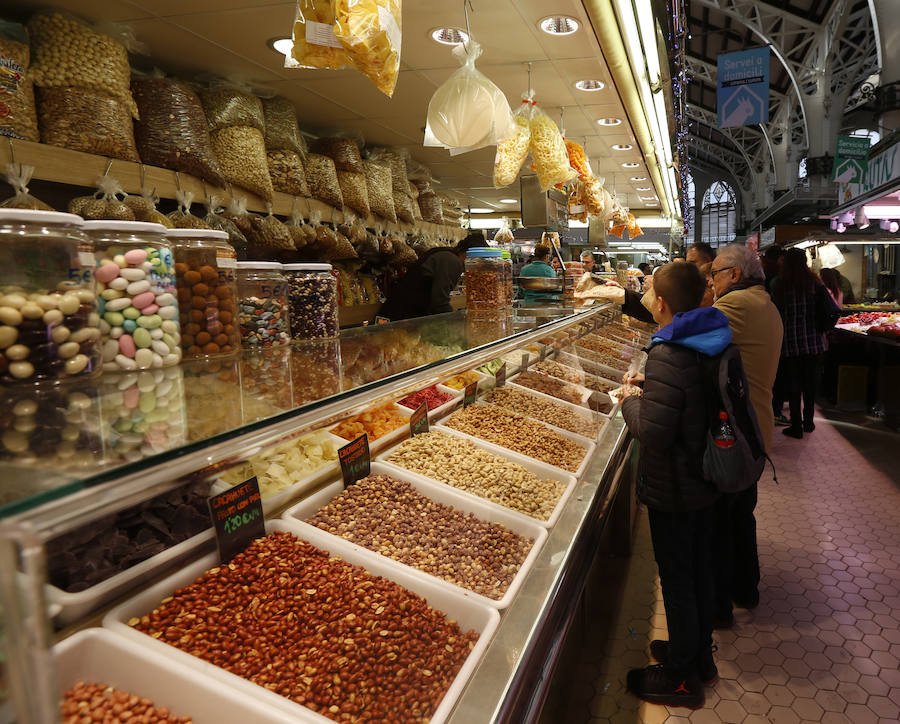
878 212
449 36
862 219
590 85
891 226
644 12
644 188
479 210
840 228
559 25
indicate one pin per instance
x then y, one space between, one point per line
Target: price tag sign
525 358
356 462
543 352
471 394
418 422
500 377
382 320
237 515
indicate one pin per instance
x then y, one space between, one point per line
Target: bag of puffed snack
548 148
370 33
512 151
315 44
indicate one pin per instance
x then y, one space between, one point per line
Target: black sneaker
809 426
659 685
795 432
706 667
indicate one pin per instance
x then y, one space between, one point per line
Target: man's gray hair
742 257
587 254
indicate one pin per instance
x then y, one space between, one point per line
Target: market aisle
824 643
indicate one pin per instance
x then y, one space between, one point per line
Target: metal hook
177 181
12 152
530 64
108 167
143 176
466 5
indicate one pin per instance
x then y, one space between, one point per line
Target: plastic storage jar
313 301
508 277
205 266
48 304
136 293
262 304
485 280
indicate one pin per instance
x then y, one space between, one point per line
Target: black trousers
681 545
801 375
735 557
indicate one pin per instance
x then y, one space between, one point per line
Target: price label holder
418 421
470 394
356 462
382 320
237 516
500 377
525 358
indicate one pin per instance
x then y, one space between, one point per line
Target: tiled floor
824 643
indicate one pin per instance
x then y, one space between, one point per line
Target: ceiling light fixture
881 212
648 198
559 25
631 164
509 201
622 147
609 121
449 36
282 45
590 85
638 178
479 210
644 188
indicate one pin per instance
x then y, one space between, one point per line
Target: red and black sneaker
706 667
659 685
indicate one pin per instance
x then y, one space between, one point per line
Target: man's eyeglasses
712 274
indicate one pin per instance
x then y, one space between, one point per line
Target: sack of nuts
282 131
182 216
17 89
216 219
322 179
354 191
226 105
241 152
344 151
107 203
144 209
287 173
270 233
381 196
18 177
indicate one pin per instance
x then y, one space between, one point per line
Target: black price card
237 515
382 320
470 394
355 460
525 358
500 377
418 422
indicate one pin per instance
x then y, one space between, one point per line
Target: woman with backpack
807 311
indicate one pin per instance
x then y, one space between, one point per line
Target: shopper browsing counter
538 267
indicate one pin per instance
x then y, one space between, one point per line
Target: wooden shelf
64 166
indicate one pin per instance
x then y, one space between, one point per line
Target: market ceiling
232 38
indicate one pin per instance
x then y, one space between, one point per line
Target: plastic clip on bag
468 111
512 151
315 44
370 32
551 159
17 89
18 177
270 232
216 219
144 209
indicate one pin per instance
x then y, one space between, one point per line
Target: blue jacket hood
704 329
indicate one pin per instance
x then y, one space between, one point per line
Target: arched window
690 196
718 216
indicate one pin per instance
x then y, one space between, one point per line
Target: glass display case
106 480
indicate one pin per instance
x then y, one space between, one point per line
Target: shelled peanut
519 434
322 632
574 375
93 702
544 410
390 517
458 462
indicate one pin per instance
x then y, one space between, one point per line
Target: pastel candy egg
117 305
143 300
136 256
69 304
156 333
110 350
150 322
138 287
169 312
133 275
131 313
129 325
109 294
126 363
105 273
151 309
172 359
166 299
142 338
169 327
115 319
126 345
119 283
116 332
144 358
160 347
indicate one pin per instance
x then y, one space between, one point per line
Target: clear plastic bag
354 191
321 177
17 89
551 160
270 232
172 131
236 212
403 255
578 160
86 120
295 227
182 217
468 111
287 173
403 206
18 177
66 52
593 197
504 234
216 219
381 196
315 44
226 106
107 203
344 151
241 152
512 151
394 161
282 131
431 208
144 209
370 32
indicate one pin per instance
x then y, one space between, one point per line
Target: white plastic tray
469 614
484 382
589 448
602 418
481 508
582 408
542 470
386 439
585 392
605 371
282 497
441 410
102 656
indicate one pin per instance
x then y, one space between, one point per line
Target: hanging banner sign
851 160
742 89
883 169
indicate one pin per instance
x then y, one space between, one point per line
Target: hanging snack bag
287 173
381 197
295 227
344 151
144 209
172 131
226 105
236 212
551 160
511 151
431 207
18 177
321 177
182 216
577 208
403 206
270 232
468 111
19 119
216 219
578 160
403 253
241 152
593 197
395 162
107 203
315 45
370 32
354 191
282 130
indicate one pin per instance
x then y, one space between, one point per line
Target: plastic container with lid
136 293
205 266
49 323
485 280
508 276
262 304
313 301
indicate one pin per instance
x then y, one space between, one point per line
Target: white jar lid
135 227
259 265
307 267
36 216
196 234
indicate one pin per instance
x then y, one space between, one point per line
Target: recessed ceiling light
638 178
481 211
622 147
631 164
648 198
650 202
282 45
449 36
559 25
644 188
590 85
509 201
610 121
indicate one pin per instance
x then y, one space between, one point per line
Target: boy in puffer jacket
671 421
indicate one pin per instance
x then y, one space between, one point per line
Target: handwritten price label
418 422
237 517
356 462
470 395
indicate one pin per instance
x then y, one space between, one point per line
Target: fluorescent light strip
882 212
648 37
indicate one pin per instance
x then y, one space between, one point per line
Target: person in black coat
670 420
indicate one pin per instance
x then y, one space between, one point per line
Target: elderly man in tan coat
739 285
